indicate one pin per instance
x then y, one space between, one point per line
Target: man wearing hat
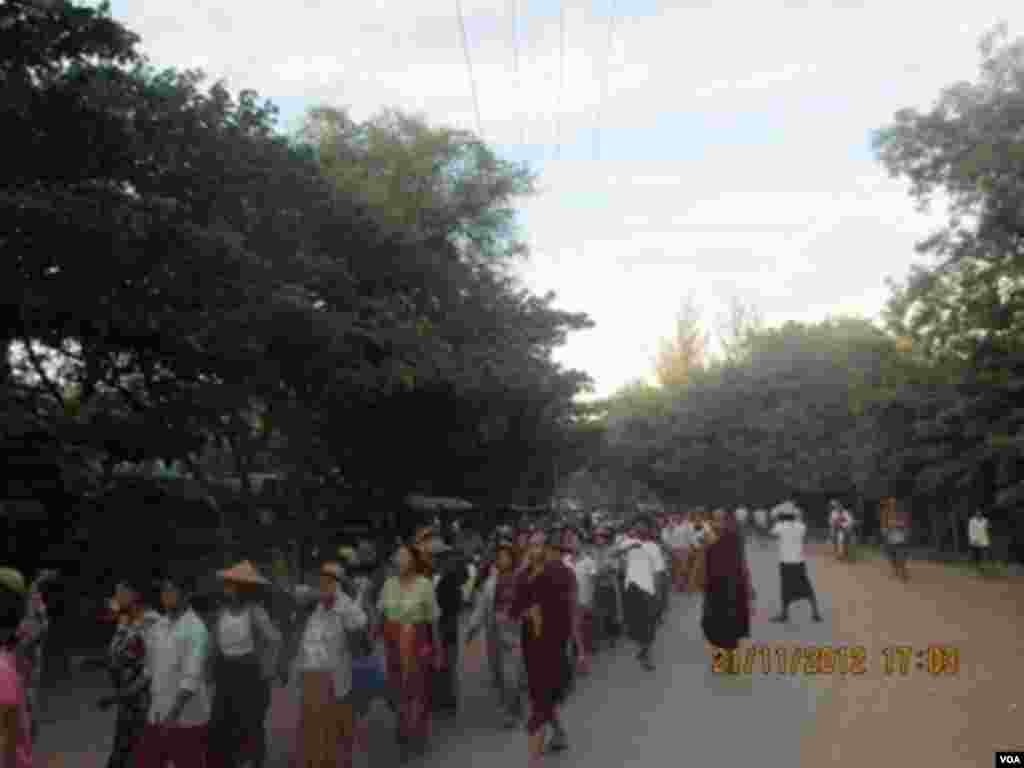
245 650
14 708
177 728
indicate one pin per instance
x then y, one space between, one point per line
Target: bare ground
881 720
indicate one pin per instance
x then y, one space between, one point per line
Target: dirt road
946 720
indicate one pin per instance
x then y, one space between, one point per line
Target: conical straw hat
242 573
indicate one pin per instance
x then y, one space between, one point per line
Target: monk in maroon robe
544 600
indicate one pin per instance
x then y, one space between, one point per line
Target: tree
736 329
494 413
424 182
963 312
684 353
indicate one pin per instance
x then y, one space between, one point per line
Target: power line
520 35
469 68
604 80
513 13
561 79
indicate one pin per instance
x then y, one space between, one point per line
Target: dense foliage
182 282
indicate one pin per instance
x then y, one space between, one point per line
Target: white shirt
657 556
791 540
585 569
741 515
761 516
234 634
977 532
176 653
325 643
640 566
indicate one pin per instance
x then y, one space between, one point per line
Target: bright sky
734 154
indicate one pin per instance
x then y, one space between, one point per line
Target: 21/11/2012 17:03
826 660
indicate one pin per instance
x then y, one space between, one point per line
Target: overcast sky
733 156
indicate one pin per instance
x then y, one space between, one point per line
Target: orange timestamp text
830 660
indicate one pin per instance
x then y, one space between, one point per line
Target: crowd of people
192 681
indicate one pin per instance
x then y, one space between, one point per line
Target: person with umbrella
245 650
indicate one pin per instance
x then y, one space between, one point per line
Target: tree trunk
933 519
954 512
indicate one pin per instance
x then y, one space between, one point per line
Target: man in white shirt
661 576
584 566
978 537
796 584
641 593
761 518
177 649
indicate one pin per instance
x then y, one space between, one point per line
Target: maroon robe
554 590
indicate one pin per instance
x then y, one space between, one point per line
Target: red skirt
410 666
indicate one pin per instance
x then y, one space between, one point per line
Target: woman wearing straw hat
326 724
15 727
245 649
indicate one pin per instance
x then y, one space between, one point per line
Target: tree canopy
183 281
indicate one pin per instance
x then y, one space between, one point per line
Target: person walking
452 576
545 596
245 650
791 531
607 592
846 524
126 664
742 516
979 539
177 726
728 592
15 723
492 613
33 633
327 719
896 530
641 592
835 512
410 626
